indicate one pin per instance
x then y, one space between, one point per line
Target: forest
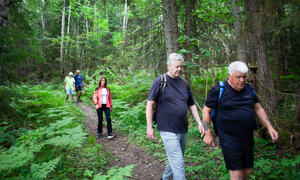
43 136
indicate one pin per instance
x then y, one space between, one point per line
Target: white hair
70 74
77 70
174 57
237 66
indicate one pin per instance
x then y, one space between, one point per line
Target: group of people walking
234 104
72 83
101 99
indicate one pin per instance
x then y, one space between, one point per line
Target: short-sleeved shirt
235 116
78 80
172 104
69 82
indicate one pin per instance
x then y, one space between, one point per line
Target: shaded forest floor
123 152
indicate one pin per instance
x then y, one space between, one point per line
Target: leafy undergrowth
42 136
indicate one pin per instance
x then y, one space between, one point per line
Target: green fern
15 157
116 174
40 171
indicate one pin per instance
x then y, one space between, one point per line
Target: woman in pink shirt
102 101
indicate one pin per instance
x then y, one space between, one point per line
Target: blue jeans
174 146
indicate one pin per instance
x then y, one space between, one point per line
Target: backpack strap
164 83
222 87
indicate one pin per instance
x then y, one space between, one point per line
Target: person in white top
103 102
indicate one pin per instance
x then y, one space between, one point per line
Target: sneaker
110 136
99 136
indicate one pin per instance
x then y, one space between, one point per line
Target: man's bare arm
208 138
149 116
262 116
194 111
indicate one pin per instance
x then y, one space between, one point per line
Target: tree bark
62 38
125 19
4 10
188 55
297 116
239 33
256 22
68 32
170 26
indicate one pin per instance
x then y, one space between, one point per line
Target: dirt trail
123 153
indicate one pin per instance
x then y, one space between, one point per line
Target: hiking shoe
99 136
110 136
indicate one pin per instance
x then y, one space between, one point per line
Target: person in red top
102 101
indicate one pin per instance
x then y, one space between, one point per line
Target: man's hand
97 107
201 129
209 140
273 133
111 109
150 132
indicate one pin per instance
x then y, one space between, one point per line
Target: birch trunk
62 38
125 19
68 32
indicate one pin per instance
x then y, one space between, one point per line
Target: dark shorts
78 88
238 158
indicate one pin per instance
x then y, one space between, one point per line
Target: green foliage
115 174
40 171
50 142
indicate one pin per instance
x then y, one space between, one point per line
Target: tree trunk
297 116
125 19
170 26
4 10
62 38
87 46
256 24
188 56
68 32
239 33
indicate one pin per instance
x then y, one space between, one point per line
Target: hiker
235 120
171 115
69 85
79 85
102 101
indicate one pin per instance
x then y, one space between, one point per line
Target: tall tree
170 26
4 9
256 25
188 56
62 38
239 33
125 19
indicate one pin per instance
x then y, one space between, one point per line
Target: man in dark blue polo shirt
172 121
79 85
235 120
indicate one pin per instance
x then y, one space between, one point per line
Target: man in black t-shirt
172 121
235 120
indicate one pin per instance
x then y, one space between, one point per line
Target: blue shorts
70 91
238 158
